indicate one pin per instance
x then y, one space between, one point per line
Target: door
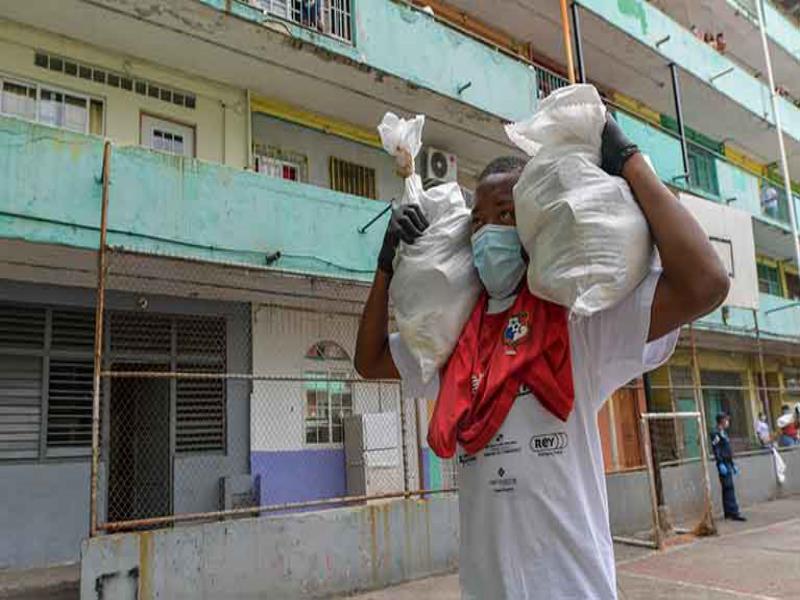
167 136
140 465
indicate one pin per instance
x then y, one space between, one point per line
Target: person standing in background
723 453
762 431
788 426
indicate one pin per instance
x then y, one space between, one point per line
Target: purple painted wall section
296 476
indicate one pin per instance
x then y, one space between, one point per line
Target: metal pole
420 455
567 41
762 369
648 400
576 26
648 457
706 526
98 342
787 182
676 94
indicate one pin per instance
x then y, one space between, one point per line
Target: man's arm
694 281
373 358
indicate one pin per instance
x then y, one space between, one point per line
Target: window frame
40 86
329 371
762 279
169 120
46 353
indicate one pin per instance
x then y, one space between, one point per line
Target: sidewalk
757 560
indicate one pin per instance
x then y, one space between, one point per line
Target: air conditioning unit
439 167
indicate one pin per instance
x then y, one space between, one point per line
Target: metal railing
331 17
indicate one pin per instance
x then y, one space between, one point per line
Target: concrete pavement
757 560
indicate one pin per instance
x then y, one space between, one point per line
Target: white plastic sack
780 466
435 285
588 241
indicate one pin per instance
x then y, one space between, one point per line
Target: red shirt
790 430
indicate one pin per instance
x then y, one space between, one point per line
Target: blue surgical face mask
498 258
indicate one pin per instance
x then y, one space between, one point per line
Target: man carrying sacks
517 400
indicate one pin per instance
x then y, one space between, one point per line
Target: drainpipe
576 26
676 94
787 182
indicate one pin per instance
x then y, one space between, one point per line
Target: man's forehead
496 188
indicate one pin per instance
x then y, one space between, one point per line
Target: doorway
140 465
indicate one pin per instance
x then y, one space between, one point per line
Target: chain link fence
228 391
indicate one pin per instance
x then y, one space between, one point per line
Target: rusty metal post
98 342
420 456
567 41
644 425
696 380
403 440
707 525
765 401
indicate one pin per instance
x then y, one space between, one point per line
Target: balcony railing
712 175
331 17
547 81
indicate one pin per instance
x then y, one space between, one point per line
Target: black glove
407 224
616 147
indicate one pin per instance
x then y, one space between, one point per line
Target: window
55 346
703 171
793 286
769 280
332 17
723 392
97 75
328 393
351 178
52 106
167 136
200 404
280 169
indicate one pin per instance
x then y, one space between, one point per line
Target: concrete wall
220 116
629 494
45 503
277 557
318 148
166 204
397 39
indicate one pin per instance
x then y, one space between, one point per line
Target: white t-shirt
533 505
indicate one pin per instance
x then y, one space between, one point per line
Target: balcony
778 320
405 42
712 175
168 205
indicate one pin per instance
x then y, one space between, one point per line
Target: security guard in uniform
726 467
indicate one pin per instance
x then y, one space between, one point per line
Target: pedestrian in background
723 453
787 423
762 431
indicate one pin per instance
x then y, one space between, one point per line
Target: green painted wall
663 149
397 39
647 24
166 204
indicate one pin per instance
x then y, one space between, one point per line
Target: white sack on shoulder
588 241
434 286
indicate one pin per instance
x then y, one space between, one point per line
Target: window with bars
331 17
352 178
46 376
769 280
